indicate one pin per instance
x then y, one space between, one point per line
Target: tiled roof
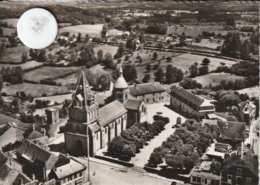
247 160
34 135
145 88
11 135
94 127
110 112
187 95
232 130
70 168
132 104
33 152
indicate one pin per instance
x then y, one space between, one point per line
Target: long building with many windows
189 103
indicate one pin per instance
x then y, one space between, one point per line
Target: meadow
13 55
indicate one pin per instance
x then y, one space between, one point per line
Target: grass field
196 30
8 31
216 78
12 22
12 55
25 66
91 30
252 91
49 73
208 43
106 49
35 90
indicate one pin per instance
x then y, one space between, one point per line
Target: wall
75 141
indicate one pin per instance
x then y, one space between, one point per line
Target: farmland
216 78
195 30
10 22
12 55
25 66
52 73
91 30
252 91
35 90
106 49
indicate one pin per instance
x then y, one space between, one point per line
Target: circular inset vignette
37 28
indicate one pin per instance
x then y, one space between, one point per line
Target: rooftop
232 130
111 112
146 88
132 104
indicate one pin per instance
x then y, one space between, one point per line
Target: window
97 136
229 177
248 181
239 172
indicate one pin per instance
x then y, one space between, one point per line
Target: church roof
132 104
110 112
120 82
146 88
94 127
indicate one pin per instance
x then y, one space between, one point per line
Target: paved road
142 158
105 173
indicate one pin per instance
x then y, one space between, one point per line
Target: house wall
204 180
154 97
246 173
73 143
73 179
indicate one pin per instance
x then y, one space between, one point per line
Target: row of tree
171 75
134 138
183 148
196 70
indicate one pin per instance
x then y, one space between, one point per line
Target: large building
189 103
92 127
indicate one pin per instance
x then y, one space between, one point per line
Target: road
105 173
142 158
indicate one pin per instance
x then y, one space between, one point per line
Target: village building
247 112
232 133
149 92
202 174
11 172
241 169
90 126
218 151
187 102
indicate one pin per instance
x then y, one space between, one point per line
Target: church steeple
120 91
83 107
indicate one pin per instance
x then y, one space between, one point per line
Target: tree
155 56
120 51
193 71
159 75
173 74
203 70
129 72
182 39
205 61
24 57
146 78
108 60
100 57
188 83
245 50
155 159
104 31
229 99
232 45
103 82
79 37
148 67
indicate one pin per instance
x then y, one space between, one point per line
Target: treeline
160 29
236 47
12 75
171 75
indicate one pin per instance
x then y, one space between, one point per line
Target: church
91 127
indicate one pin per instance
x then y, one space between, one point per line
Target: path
142 158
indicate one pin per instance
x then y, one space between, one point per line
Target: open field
195 30
91 30
8 31
252 91
106 49
35 90
13 55
213 44
52 73
12 22
216 78
25 66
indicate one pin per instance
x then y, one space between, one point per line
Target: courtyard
152 109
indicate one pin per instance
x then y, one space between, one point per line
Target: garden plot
106 49
35 90
216 78
13 55
51 73
91 30
30 65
